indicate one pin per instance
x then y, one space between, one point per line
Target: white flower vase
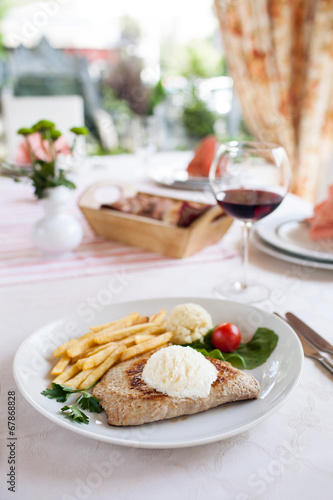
57 232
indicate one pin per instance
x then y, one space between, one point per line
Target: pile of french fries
84 360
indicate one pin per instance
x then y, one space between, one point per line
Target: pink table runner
20 262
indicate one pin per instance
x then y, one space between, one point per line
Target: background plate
288 257
292 235
278 377
178 178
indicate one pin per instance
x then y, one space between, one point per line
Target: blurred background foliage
174 102
198 120
196 59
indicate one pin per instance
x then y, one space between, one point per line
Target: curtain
280 55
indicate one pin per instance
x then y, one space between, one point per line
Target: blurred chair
106 129
65 111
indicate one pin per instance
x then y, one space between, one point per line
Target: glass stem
245 253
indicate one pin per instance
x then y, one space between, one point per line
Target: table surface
288 455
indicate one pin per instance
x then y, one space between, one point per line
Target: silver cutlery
317 340
311 352
309 349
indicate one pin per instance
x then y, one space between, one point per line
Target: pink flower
40 149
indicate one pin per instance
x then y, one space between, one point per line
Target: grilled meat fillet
127 400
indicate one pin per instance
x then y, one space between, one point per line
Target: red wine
248 204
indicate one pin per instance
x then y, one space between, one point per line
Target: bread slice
127 400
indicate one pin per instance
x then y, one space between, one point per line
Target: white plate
278 254
292 235
178 178
278 377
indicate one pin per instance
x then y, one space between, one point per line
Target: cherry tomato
226 337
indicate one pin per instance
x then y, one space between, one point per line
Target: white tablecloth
289 455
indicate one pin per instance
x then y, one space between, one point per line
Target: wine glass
249 181
144 142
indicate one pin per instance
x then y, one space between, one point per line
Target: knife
309 350
309 334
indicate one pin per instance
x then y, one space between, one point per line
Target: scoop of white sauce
179 372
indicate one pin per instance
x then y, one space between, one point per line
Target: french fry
158 318
99 347
81 345
126 332
142 338
67 374
81 358
77 347
108 332
161 328
94 349
98 372
127 342
80 361
119 323
63 348
98 358
78 379
141 320
61 365
146 346
59 351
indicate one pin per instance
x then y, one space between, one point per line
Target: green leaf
216 353
68 184
57 392
158 95
89 402
248 356
66 388
63 181
235 359
74 413
258 349
80 130
47 169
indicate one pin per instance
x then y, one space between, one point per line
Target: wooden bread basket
150 234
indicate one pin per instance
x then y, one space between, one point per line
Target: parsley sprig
86 401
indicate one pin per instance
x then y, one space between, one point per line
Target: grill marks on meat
136 382
127 400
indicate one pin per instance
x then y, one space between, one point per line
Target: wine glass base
248 294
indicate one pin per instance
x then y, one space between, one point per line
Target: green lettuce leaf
247 356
